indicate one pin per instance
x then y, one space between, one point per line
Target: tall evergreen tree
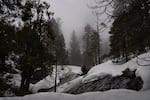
32 43
60 49
75 53
59 46
91 47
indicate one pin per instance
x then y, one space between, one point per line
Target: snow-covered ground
109 68
74 69
114 69
48 82
120 94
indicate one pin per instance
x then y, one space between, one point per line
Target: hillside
107 76
110 75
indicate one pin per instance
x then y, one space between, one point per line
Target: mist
74 15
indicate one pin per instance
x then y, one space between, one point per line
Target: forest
33 45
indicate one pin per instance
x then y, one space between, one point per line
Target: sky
74 15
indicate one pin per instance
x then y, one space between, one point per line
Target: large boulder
127 80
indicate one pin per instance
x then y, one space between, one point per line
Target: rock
127 80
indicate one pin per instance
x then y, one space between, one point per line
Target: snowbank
48 82
121 94
114 69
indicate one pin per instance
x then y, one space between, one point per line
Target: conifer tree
75 53
91 47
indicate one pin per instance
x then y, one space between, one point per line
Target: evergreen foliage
34 45
130 29
91 47
75 53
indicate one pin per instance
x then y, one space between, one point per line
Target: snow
71 84
107 67
119 94
15 79
145 74
48 82
75 69
97 71
116 69
90 78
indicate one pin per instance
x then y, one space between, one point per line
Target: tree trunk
25 83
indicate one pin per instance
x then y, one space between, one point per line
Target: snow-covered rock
115 70
62 73
106 82
69 85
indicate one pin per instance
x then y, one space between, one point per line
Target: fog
74 15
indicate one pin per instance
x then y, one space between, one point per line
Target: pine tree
58 47
74 52
32 44
91 47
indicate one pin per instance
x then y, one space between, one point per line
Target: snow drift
109 95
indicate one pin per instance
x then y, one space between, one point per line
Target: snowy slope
114 69
48 82
99 70
121 94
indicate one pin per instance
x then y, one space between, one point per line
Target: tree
7 31
9 11
33 43
130 28
59 46
91 47
129 32
7 41
75 53
119 38
60 49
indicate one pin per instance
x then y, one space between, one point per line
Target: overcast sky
74 15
